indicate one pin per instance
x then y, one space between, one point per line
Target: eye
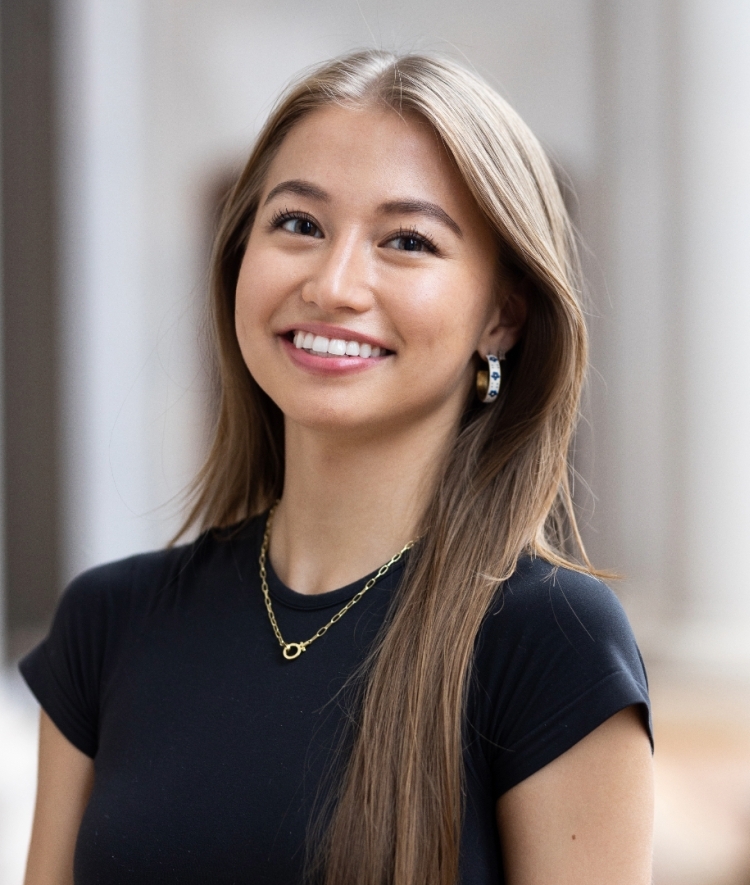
412 241
302 226
297 223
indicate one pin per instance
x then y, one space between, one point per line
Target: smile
338 347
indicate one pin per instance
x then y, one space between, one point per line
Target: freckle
573 837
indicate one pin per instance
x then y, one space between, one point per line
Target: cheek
244 325
254 300
447 317
252 312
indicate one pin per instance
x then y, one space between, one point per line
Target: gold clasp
293 650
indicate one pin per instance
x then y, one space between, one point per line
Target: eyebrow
392 207
421 207
300 188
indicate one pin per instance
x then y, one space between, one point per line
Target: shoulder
115 583
102 616
543 601
555 658
146 577
559 624
98 610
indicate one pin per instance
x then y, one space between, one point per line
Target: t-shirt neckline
293 599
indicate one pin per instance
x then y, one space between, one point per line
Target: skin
65 780
348 250
587 817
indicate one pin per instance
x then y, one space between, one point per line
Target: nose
340 278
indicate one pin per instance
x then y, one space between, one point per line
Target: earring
488 380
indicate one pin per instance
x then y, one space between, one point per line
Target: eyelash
281 216
413 234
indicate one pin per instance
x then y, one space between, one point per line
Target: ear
505 323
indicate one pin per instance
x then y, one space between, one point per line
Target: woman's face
370 278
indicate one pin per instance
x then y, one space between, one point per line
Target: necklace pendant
293 650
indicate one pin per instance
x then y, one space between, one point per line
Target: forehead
370 152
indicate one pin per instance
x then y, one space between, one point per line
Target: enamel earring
488 380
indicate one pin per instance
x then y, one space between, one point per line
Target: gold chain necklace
292 650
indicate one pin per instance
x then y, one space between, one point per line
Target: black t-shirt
210 749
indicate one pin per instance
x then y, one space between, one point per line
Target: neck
350 505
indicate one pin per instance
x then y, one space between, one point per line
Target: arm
586 818
65 779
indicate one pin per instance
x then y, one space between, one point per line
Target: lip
336 332
328 365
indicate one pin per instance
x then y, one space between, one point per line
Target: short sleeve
556 658
64 671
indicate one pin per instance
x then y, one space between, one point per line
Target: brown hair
503 491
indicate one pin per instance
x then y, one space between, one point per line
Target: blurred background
122 121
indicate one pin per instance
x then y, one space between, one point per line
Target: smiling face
370 279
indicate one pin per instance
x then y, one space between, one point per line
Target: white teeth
335 346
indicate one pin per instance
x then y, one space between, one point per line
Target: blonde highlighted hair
397 814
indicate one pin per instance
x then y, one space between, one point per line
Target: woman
249 707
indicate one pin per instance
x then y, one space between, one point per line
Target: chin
328 417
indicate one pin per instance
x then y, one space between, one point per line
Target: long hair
503 490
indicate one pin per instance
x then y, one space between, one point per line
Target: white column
715 284
3 587
671 390
626 221
106 340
